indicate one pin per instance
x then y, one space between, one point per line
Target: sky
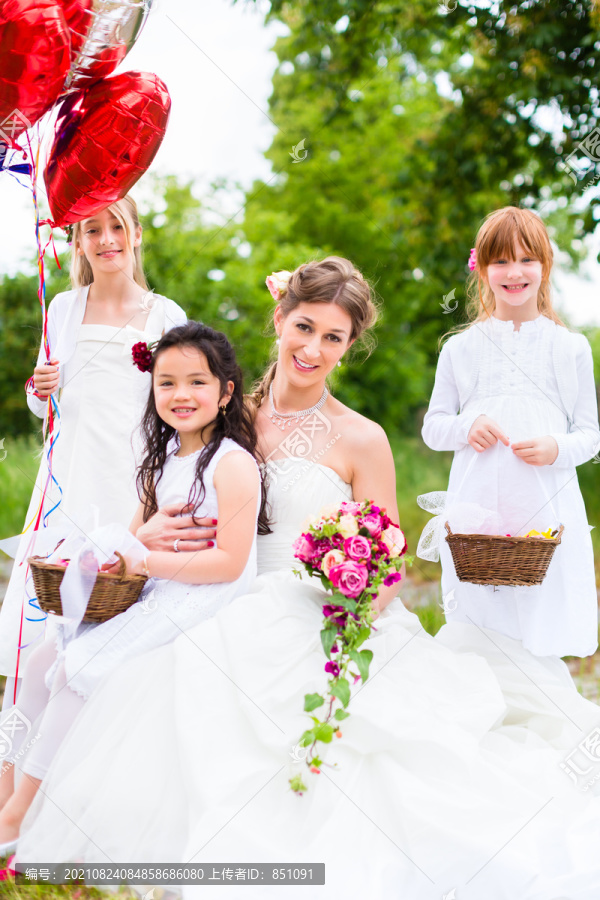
217 62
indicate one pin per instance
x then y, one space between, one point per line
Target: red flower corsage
142 356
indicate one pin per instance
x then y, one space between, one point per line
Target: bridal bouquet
354 548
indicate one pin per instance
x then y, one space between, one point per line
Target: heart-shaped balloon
102 33
105 139
34 62
77 16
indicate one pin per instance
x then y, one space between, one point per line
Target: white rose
331 559
348 526
329 512
310 521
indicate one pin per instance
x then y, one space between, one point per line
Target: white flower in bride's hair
277 283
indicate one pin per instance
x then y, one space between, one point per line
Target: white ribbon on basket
464 518
87 552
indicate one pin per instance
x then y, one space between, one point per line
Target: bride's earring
277 342
339 362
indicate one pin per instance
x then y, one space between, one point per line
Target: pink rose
372 523
305 548
350 578
357 548
394 540
350 507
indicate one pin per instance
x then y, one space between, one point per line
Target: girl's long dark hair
236 424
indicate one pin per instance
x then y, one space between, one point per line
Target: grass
17 478
33 891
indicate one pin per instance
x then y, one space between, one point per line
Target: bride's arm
374 478
237 482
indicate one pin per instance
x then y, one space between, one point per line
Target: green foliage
398 177
20 326
328 636
312 701
363 659
340 688
431 617
17 478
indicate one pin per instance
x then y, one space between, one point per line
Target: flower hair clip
472 260
142 355
277 284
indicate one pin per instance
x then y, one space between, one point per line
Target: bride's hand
166 526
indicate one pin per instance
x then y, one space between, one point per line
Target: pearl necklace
288 418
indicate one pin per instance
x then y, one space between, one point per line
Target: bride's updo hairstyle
331 280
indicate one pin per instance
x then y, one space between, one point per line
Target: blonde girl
101 394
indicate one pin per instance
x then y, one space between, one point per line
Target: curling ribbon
52 419
17 168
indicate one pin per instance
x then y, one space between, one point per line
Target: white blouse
65 316
543 365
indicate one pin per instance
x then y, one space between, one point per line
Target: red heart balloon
106 137
76 14
34 62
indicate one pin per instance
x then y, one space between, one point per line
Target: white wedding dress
184 755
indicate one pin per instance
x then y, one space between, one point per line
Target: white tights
31 731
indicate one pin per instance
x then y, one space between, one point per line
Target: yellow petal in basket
545 534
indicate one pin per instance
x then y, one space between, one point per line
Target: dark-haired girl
200 446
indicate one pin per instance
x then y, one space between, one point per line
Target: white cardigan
65 315
445 427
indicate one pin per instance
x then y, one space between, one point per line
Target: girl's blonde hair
332 280
496 239
126 212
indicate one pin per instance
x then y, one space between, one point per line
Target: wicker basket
112 593
493 559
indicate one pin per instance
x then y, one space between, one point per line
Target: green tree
417 123
20 328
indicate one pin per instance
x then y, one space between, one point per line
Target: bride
434 789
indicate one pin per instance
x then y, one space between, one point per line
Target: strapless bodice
296 489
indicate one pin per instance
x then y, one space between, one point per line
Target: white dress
102 397
165 608
184 755
516 385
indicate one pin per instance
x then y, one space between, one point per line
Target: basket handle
122 565
448 529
